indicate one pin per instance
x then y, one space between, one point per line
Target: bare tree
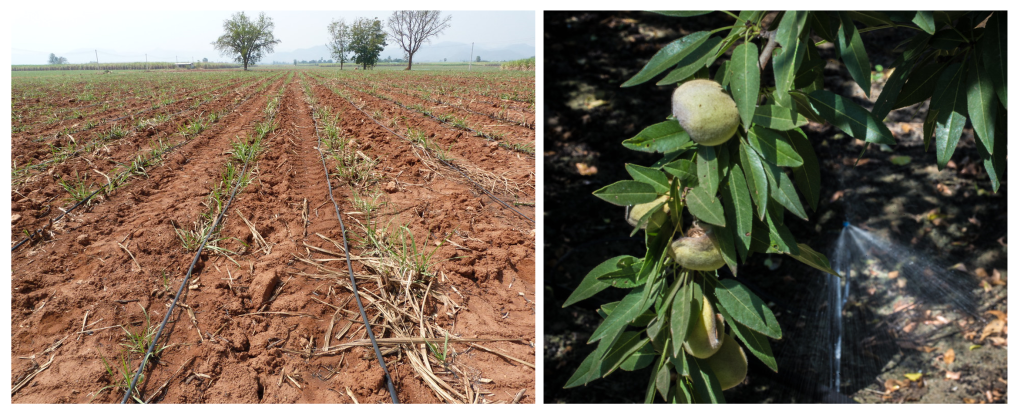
340 38
410 28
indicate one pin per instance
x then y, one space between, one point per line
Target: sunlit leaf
757 182
814 259
667 57
925 20
650 176
666 136
850 117
707 168
627 192
590 284
756 342
807 176
747 309
981 101
705 206
852 50
738 211
745 82
773 147
693 62
778 118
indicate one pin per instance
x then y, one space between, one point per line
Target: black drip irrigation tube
87 198
351 275
188 275
426 114
446 163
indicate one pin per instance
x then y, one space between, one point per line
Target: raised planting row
444 272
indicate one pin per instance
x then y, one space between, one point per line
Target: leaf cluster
247 40
746 187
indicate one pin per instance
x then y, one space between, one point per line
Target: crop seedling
721 191
77 188
122 376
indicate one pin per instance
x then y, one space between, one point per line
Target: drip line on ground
351 274
87 198
446 163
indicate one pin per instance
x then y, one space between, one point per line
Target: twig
351 395
504 355
30 376
132 256
768 48
519 395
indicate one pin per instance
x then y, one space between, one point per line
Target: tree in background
54 59
478 58
247 40
340 34
410 28
205 60
367 40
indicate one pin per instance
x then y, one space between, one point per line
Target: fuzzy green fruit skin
729 364
704 337
698 253
640 210
705 111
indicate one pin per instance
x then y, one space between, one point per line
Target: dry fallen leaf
836 196
928 349
998 341
945 191
992 328
586 170
949 356
998 314
893 274
955 376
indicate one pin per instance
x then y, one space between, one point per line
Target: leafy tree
340 37
247 40
410 28
205 60
54 59
367 41
738 186
478 58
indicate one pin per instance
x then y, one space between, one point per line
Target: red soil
81 275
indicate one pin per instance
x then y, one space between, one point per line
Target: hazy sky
166 35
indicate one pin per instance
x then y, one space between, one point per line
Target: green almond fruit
634 213
699 250
705 111
729 364
704 337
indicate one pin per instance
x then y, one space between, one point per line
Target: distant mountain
453 51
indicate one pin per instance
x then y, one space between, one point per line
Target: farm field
433 177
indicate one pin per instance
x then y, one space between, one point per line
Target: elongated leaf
668 158
679 321
667 57
693 61
684 170
811 71
664 381
738 211
706 388
904 65
852 50
995 163
920 86
778 118
746 308
664 136
590 369
724 236
802 105
685 13
947 135
627 192
724 74
947 40
745 82
925 20
823 25
628 343
760 238
870 18
785 65
814 259
705 206
850 117
994 46
629 308
929 126
755 342
773 147
807 177
590 284
757 182
981 101
627 275
949 102
707 168
790 27
640 359
782 239
653 177
782 190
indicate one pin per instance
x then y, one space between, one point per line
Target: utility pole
471 56
97 59
147 62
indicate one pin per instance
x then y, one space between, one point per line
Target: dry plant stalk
257 238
